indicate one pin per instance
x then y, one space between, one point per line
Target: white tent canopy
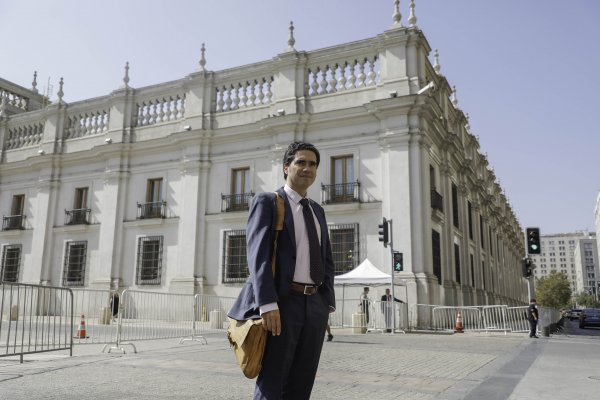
366 274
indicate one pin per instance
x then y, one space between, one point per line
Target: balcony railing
152 210
341 193
78 216
13 222
236 202
437 201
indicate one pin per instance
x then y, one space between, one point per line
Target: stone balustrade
293 82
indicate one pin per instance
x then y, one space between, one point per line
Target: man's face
302 171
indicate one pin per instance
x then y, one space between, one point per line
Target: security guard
533 316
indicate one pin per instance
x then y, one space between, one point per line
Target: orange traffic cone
458 327
81 333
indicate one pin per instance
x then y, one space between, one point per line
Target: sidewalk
369 366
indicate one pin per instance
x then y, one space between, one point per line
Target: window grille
344 247
74 265
11 260
235 263
149 260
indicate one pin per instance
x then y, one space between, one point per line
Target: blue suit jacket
261 288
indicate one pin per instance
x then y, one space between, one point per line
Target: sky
526 72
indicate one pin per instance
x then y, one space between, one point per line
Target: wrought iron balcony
341 193
236 202
78 216
437 200
13 222
152 210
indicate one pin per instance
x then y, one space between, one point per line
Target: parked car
573 314
589 317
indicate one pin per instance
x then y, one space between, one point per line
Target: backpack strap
277 227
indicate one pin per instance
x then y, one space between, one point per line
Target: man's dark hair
293 148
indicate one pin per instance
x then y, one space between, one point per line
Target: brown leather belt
304 288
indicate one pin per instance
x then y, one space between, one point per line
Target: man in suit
387 308
295 304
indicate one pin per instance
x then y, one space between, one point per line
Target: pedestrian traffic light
527 268
383 232
533 241
398 262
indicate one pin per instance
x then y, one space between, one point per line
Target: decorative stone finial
126 76
202 57
436 62
453 98
397 16
291 40
60 93
467 125
34 83
412 19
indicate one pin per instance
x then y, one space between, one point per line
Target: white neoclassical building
149 187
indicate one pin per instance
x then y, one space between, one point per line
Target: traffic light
383 232
527 268
533 241
398 262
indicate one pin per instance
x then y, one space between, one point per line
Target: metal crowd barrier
92 307
517 319
152 315
35 319
388 316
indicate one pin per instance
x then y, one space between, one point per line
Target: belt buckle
307 287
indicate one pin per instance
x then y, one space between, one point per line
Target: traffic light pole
391 244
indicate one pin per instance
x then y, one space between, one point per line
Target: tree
584 299
553 291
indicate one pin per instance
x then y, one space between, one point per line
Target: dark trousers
291 359
533 327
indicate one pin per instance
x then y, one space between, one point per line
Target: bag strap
278 227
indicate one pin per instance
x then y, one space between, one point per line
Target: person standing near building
387 308
114 305
533 317
295 304
365 303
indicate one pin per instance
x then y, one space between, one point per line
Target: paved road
371 366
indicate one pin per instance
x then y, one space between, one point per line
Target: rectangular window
11 260
472 261
240 196
240 180
342 178
342 169
483 274
432 177
436 255
81 196
491 241
154 190
154 207
470 212
344 247
481 230
235 263
455 216
74 265
18 204
16 217
457 262
149 260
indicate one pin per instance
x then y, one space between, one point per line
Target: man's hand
272 322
